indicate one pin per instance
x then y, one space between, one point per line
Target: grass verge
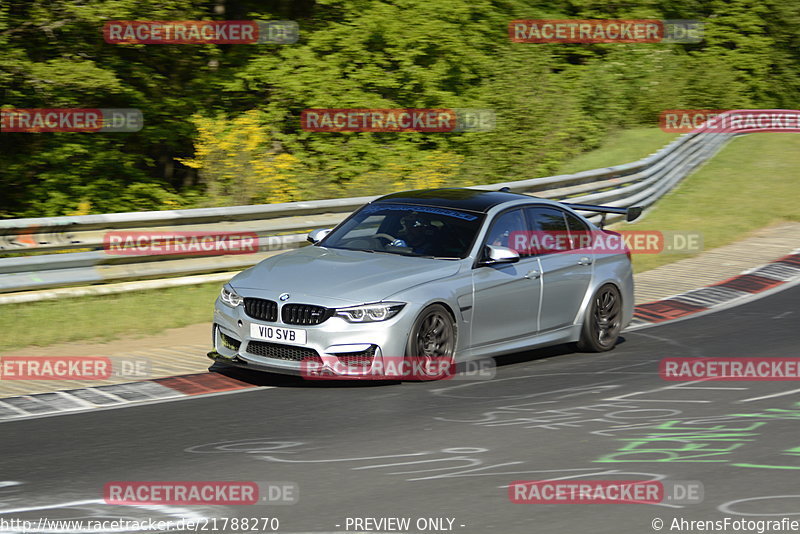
750 184
624 146
106 317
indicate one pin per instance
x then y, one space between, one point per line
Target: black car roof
454 197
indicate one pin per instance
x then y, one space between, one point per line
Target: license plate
294 336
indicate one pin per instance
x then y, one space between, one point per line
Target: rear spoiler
631 214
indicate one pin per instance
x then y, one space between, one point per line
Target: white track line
780 394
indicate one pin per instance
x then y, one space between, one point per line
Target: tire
603 320
432 340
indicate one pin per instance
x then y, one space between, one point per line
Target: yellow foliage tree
435 170
84 207
239 163
403 172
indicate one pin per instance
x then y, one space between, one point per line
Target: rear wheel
603 321
432 344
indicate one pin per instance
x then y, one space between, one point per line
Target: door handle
533 274
585 261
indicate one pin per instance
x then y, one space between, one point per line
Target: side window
579 233
549 220
504 227
575 224
549 232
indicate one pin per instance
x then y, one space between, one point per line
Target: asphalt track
448 449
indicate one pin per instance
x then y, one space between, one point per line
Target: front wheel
431 347
603 321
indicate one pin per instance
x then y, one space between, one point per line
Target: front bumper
334 348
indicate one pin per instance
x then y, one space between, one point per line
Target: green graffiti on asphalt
680 441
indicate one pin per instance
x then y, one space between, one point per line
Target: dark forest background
222 121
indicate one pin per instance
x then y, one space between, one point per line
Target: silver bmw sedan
438 276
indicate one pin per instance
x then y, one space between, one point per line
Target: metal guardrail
55 255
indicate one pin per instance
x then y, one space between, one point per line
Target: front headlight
230 297
370 313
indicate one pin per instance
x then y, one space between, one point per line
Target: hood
350 275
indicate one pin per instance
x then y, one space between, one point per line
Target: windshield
409 230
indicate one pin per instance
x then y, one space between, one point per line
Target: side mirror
315 236
495 254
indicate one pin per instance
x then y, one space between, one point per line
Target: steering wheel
385 236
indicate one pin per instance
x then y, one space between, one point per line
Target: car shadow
263 379
544 353
266 379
